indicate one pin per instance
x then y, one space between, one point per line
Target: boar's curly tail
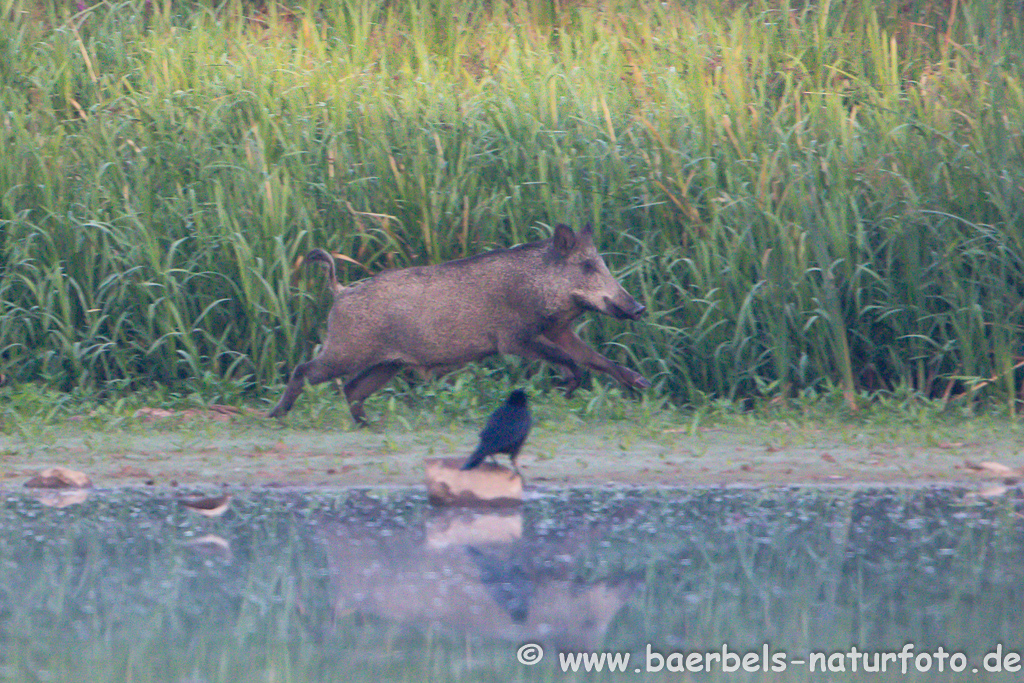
327 262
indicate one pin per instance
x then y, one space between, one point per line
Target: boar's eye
589 267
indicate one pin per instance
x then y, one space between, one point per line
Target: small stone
484 485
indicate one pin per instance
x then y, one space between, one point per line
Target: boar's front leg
314 372
567 341
365 383
541 348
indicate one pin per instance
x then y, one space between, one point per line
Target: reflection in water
359 585
471 573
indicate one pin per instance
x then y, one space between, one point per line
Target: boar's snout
627 310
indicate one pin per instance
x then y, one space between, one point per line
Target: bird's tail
473 460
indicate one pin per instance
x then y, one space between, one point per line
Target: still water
353 585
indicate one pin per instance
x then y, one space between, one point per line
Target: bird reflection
506 580
477 573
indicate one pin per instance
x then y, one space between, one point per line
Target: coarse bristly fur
435 319
505 432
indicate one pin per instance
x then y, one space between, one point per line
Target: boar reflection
472 573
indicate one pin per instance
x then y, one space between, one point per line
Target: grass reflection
372 585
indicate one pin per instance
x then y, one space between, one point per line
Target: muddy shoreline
768 453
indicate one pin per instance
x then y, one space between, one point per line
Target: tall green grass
807 198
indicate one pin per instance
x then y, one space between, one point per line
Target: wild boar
435 319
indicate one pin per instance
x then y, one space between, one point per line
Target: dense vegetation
806 197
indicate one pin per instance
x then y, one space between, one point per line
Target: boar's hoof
358 415
638 381
571 384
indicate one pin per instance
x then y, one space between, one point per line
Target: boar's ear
587 233
564 240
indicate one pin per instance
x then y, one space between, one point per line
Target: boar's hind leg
314 372
365 383
566 340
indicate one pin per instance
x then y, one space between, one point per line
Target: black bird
505 432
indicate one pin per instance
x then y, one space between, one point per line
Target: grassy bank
805 198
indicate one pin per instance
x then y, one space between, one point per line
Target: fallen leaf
223 410
992 491
212 545
193 413
62 499
211 540
216 411
59 478
991 467
211 506
153 413
131 471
